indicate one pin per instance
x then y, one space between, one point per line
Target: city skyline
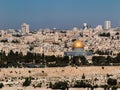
62 14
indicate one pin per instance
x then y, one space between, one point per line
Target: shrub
27 81
1 85
50 85
82 84
111 81
60 85
29 71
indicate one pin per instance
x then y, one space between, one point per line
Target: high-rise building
107 24
25 28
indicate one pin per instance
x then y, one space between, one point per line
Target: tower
56 37
107 24
25 28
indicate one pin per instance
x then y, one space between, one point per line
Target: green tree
20 57
66 59
29 57
62 61
11 58
98 60
83 60
109 60
83 76
117 58
3 58
50 58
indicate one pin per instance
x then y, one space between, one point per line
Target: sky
59 14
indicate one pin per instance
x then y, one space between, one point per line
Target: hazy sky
62 14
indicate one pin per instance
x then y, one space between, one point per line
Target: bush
27 81
50 85
60 85
82 84
111 81
1 85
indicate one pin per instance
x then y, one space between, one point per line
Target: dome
78 44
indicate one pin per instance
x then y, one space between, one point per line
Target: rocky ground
14 77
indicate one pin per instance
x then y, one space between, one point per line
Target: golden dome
78 44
